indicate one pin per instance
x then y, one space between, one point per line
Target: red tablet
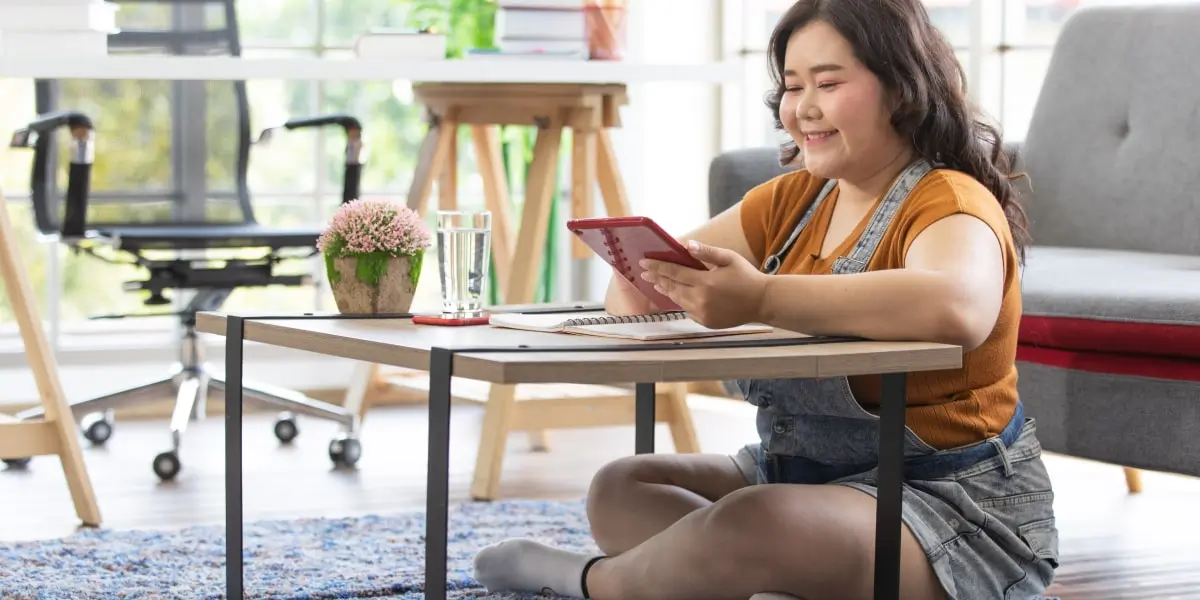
624 241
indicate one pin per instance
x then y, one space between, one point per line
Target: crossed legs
688 526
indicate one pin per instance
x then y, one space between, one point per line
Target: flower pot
370 284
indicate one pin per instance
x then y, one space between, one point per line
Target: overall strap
864 249
771 265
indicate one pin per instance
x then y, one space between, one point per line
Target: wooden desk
506 356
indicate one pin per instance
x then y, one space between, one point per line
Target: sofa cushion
1114 165
1111 301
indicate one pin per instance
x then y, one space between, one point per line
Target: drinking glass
464 241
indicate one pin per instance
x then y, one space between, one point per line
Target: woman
901 225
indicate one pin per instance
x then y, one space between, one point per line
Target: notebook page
540 322
665 330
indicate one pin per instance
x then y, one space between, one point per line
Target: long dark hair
897 42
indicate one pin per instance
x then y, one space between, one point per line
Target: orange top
945 408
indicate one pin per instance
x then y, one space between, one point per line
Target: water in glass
464 241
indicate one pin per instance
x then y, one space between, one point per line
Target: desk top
400 343
221 68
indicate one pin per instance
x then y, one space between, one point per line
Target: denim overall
994 494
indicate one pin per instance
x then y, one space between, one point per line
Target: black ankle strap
583 577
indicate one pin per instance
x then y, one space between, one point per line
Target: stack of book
56 28
538 29
384 43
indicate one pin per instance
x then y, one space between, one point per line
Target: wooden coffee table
505 356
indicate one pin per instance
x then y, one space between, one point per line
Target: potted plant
373 250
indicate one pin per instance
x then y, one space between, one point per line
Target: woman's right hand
722 231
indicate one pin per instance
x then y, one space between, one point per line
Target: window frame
188 156
746 110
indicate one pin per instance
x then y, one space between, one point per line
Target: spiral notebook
658 326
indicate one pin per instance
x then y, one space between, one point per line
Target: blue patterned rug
310 559
379 557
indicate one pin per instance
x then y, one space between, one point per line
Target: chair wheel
96 428
167 465
285 428
345 451
17 463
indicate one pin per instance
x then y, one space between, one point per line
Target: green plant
465 23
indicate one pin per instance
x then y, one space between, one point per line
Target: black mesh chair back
148 168
166 152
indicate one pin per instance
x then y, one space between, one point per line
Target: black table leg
234 584
643 419
437 481
888 525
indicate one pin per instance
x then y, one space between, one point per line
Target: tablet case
624 241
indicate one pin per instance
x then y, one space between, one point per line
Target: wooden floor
1114 545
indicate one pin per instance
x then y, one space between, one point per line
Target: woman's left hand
729 294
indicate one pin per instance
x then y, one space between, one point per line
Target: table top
225 68
488 351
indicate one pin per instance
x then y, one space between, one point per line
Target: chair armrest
347 122
354 145
27 136
36 135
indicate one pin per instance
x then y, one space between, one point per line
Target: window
1014 39
1018 37
145 151
297 179
14 182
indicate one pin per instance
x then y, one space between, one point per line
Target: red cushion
1120 337
1183 369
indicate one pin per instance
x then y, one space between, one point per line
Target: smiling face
834 107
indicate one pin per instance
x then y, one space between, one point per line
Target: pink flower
371 225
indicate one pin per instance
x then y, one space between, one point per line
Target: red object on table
449 321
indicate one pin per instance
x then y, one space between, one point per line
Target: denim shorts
987 528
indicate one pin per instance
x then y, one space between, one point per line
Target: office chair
144 242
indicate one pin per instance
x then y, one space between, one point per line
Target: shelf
219 68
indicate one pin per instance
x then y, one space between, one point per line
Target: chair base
190 382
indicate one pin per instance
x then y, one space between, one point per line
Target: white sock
520 565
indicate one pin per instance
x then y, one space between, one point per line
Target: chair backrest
733 173
1114 143
166 151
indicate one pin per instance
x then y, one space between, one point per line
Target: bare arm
723 231
949 291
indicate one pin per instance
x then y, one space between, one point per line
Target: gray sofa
1110 340
1111 327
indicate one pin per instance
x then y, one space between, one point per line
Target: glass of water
464 241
